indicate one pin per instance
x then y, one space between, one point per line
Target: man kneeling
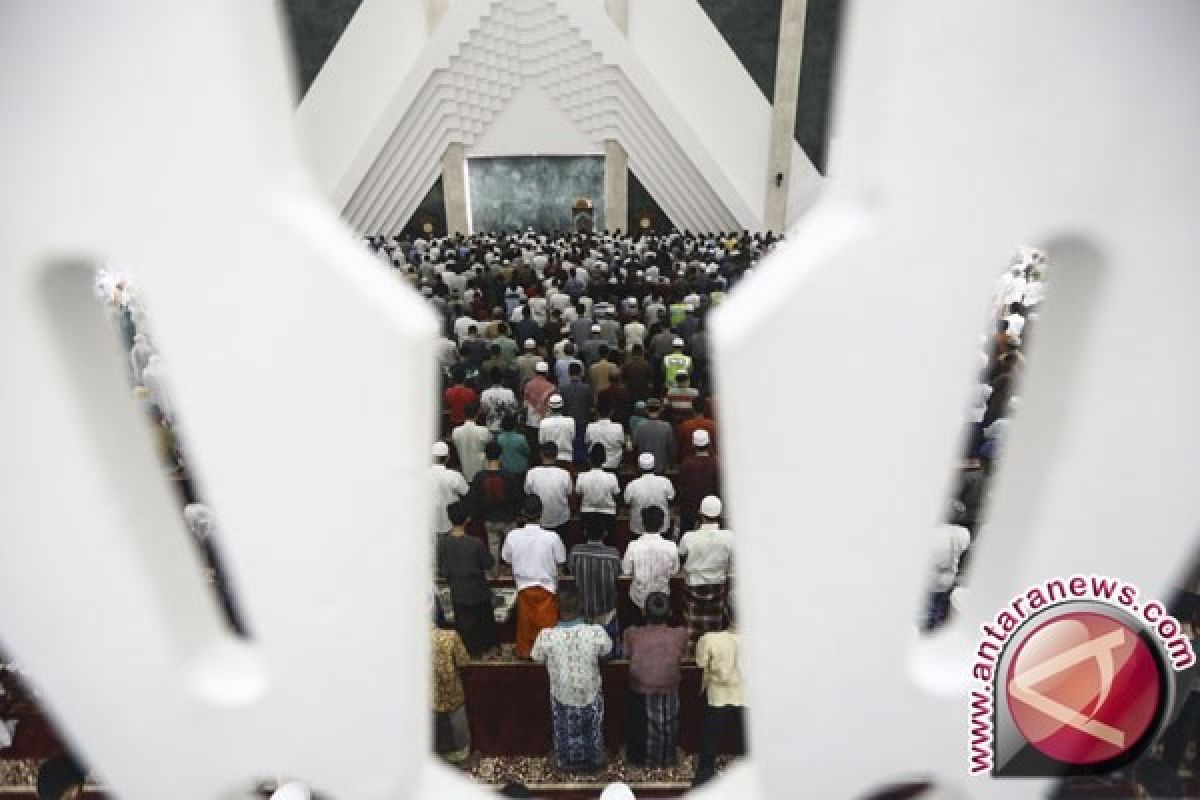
571 652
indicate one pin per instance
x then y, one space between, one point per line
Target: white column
783 112
616 186
454 187
616 160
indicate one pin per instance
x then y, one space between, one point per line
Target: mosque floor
539 773
19 776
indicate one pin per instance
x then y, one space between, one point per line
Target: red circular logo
1084 688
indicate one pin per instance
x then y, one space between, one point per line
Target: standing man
526 364
577 404
655 436
601 371
707 554
558 430
951 541
699 477
514 448
497 400
675 362
552 486
571 652
535 554
650 559
698 421
618 398
537 395
449 486
470 438
654 652
596 566
452 736
638 374
647 491
463 562
610 435
495 496
598 491
718 655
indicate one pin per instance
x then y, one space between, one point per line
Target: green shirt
673 364
678 312
514 452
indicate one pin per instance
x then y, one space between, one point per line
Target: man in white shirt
607 433
470 439
950 542
537 310
598 492
558 429
447 353
552 486
535 555
1015 317
650 559
635 333
708 555
647 491
463 324
449 486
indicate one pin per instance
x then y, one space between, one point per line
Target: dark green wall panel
315 27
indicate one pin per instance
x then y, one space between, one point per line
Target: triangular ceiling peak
481 57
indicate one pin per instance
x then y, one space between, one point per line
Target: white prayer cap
530 344
541 366
711 506
700 437
298 791
595 329
556 400
677 342
440 450
617 791
646 461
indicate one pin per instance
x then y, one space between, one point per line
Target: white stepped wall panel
351 91
476 62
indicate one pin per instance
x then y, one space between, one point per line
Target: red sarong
536 609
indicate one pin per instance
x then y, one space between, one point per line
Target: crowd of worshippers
155 400
566 360
1018 296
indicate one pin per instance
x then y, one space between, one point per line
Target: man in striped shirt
596 566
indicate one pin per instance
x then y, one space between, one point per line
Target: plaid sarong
703 610
652 729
